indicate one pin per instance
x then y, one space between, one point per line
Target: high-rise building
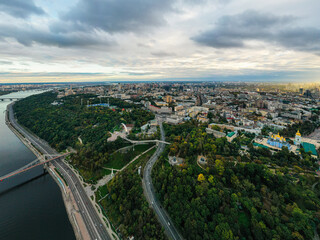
308 94
300 91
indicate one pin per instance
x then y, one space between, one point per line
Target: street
149 192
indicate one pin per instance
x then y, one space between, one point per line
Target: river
31 205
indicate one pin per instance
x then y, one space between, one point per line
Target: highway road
149 192
92 221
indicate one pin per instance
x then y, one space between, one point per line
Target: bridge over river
9 99
29 166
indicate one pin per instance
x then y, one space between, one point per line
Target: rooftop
308 147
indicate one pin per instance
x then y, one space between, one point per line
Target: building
308 94
174 119
297 140
308 147
178 108
159 110
278 141
215 133
161 104
300 91
167 99
193 111
231 136
202 119
294 115
260 104
201 99
165 110
154 108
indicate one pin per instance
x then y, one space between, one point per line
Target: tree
223 232
211 179
201 178
219 167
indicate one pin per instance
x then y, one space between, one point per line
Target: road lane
149 192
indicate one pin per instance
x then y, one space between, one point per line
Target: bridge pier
45 168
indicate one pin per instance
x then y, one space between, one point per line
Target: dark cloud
118 15
84 23
234 31
27 36
20 8
302 39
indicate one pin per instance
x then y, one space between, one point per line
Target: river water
31 205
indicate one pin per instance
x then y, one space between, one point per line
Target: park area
119 159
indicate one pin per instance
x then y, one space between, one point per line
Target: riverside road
93 223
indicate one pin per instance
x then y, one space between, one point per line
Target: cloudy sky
108 40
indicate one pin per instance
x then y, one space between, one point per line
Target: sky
114 40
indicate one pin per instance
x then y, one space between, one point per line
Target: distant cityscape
231 106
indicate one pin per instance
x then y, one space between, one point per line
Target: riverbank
73 212
5 92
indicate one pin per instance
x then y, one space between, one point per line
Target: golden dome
298 133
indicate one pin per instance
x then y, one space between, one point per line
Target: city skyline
98 40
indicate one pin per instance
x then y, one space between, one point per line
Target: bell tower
297 140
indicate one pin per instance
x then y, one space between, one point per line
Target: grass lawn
101 192
119 160
61 176
107 172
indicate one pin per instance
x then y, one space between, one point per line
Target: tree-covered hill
234 196
65 124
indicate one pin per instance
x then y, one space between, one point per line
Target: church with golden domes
297 139
278 141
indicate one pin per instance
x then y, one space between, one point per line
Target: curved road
149 192
92 221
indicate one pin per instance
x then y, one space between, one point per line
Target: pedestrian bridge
144 141
31 165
